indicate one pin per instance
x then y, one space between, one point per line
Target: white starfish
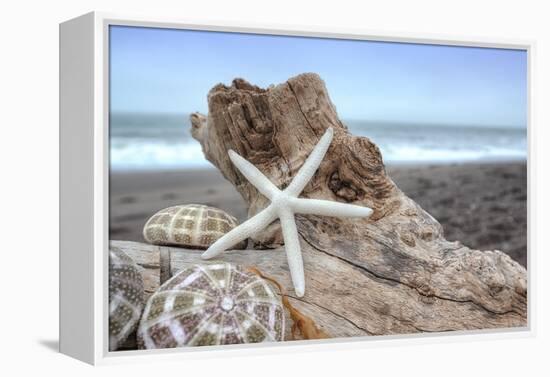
284 204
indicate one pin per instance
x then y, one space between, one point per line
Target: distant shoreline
164 141
483 205
404 164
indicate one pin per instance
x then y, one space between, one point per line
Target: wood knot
427 299
427 235
345 189
425 290
408 239
410 212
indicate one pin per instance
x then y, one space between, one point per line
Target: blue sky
171 71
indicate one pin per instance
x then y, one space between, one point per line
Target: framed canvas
230 189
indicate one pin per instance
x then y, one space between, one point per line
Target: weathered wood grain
268 261
391 273
148 260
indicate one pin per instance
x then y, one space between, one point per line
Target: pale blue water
163 141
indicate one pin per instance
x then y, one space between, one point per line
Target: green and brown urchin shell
192 225
125 297
211 304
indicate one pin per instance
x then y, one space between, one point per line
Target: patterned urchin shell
192 225
211 304
125 297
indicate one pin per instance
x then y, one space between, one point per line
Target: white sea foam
161 155
412 154
141 142
145 155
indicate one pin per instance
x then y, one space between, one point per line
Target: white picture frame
84 179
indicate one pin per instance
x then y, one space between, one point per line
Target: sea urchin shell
125 297
211 304
192 225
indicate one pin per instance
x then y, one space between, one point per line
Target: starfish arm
247 229
328 208
309 167
254 175
293 252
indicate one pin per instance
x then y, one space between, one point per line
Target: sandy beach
484 206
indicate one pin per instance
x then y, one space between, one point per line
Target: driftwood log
392 273
271 262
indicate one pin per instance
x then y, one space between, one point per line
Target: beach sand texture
484 206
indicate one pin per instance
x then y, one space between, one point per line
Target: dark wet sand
482 205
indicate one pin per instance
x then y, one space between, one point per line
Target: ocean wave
145 155
163 141
412 154
128 154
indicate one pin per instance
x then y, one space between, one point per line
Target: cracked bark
392 273
266 260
